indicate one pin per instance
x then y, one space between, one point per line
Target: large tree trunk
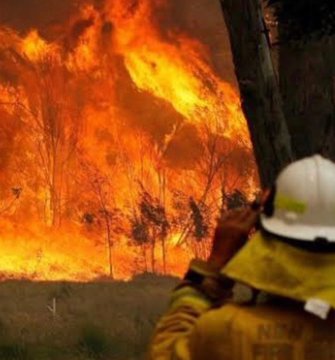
307 71
261 100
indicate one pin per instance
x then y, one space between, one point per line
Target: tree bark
307 71
164 254
261 100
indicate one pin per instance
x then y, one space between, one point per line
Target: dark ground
98 320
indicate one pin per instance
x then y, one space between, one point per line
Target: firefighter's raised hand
231 233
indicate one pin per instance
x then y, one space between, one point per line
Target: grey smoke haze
23 15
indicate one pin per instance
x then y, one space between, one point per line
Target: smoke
63 22
185 149
47 16
201 18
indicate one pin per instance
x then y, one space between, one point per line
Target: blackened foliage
303 19
139 231
154 213
88 218
16 191
200 229
235 200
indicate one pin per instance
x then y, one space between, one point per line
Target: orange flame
35 48
175 70
126 112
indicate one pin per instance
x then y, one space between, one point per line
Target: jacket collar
281 269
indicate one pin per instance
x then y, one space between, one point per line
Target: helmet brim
297 231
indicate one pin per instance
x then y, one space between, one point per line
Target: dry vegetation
100 320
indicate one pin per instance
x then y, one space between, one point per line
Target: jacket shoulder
242 332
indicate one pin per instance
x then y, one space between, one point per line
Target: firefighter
288 266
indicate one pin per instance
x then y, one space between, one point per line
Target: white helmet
304 201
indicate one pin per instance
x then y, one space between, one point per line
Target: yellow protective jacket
276 330
235 332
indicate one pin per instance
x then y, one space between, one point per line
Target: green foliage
302 19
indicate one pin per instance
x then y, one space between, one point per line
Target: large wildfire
119 146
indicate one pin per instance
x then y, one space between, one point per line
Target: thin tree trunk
153 246
164 254
144 254
261 100
109 241
162 198
110 246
